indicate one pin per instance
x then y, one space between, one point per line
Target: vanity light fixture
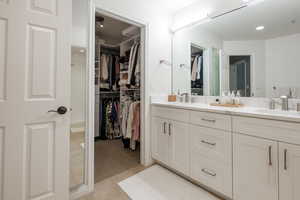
252 2
260 28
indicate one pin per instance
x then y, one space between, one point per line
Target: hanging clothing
196 68
124 115
136 122
109 115
134 64
137 72
131 122
130 65
104 67
109 72
199 64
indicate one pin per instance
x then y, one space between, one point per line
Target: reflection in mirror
77 131
252 52
197 54
239 75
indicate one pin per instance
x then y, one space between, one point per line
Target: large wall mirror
253 52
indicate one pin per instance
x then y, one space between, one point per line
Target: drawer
170 113
211 173
213 143
270 129
211 120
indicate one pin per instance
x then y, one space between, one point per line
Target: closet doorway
118 96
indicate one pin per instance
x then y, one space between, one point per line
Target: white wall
78 81
258 70
80 23
283 64
181 47
159 36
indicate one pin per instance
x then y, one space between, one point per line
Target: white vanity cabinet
199 148
211 154
289 172
266 159
255 168
179 146
170 139
160 138
237 156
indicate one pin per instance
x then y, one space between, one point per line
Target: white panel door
289 172
160 140
35 38
255 168
179 146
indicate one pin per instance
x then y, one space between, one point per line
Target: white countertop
290 116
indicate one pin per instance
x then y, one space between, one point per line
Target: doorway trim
145 139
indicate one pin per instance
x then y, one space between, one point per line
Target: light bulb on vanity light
260 28
252 2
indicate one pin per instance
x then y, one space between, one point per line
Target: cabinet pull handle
170 129
207 172
285 159
270 155
165 123
209 120
209 143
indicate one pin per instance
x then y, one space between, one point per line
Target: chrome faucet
284 103
186 97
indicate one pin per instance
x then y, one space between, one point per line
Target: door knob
60 110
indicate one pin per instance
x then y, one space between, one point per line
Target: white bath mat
158 183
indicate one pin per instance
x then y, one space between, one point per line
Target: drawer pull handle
165 123
270 156
209 143
285 159
170 129
209 120
208 173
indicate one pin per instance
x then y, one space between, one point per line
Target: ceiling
175 5
111 33
280 17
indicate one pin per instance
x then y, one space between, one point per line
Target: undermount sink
278 112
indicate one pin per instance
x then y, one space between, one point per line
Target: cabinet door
179 146
255 168
289 172
160 140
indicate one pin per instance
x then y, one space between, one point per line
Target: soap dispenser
237 99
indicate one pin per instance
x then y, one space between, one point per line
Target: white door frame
145 155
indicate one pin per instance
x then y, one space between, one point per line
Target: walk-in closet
117 96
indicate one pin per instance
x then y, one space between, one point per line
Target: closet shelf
128 90
109 92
